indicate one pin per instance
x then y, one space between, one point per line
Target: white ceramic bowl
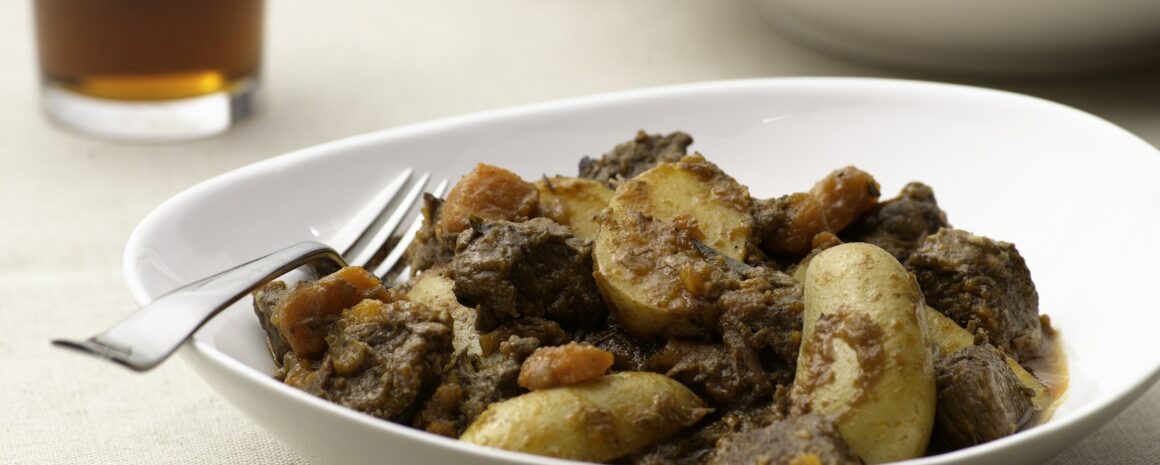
987 36
1075 193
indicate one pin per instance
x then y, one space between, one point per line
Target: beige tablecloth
334 69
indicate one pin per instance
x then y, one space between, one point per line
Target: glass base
149 121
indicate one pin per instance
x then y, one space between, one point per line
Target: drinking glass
149 70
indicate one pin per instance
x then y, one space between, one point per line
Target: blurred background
336 69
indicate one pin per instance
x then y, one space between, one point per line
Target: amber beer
149 70
147 50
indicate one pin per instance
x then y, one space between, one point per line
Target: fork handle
151 334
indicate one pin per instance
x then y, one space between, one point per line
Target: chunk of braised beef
760 331
495 377
488 380
979 398
629 353
636 156
468 386
266 300
900 224
522 335
981 284
727 376
765 314
428 249
796 440
472 382
383 359
531 269
769 217
698 444
442 412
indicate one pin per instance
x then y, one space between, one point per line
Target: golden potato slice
596 421
864 358
434 289
651 276
657 281
697 189
573 202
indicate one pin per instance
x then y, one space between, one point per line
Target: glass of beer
149 70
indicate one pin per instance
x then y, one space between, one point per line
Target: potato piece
597 421
864 358
488 192
646 264
573 202
948 337
657 283
697 189
434 290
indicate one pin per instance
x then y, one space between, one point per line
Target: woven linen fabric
60 407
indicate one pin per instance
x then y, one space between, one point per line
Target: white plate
1074 192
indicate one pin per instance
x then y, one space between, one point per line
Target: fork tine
396 253
380 237
151 334
344 240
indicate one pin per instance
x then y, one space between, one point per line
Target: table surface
68 203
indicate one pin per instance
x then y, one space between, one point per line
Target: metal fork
154 332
